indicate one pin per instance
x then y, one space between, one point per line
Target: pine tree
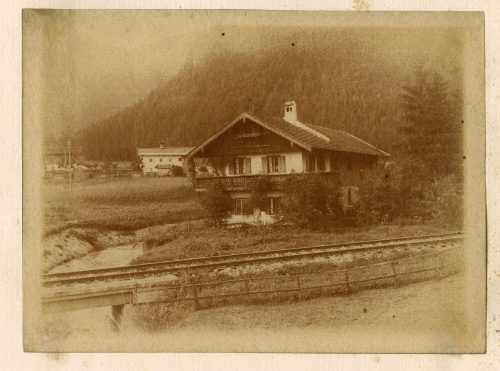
433 125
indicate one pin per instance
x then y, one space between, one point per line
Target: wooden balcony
245 182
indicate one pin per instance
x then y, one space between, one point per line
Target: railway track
175 266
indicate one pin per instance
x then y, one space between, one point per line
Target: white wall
150 166
293 162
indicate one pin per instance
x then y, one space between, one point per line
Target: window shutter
264 165
282 167
231 168
247 165
321 163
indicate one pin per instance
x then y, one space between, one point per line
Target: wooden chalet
254 145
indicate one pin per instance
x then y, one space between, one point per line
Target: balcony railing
245 182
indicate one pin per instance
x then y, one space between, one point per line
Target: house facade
159 161
254 145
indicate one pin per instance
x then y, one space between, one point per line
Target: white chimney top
291 117
290 111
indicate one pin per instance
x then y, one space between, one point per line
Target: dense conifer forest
338 79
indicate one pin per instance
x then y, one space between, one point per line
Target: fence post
247 290
347 281
195 297
332 290
394 273
440 266
299 287
117 313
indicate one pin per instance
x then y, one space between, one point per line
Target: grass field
120 203
165 215
192 239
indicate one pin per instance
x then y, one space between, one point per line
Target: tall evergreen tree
432 112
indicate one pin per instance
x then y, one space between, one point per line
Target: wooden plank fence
346 278
246 288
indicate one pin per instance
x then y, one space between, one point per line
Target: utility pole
70 167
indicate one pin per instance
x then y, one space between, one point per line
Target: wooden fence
300 285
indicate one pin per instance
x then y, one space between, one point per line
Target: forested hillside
337 80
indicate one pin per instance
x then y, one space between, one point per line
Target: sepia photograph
253 181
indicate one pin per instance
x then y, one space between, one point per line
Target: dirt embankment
72 243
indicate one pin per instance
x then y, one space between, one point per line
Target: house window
274 205
161 160
242 206
311 163
321 163
180 159
248 131
273 164
333 164
241 165
150 160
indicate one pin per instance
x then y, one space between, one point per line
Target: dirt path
423 317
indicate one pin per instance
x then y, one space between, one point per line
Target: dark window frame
242 206
273 164
321 163
274 205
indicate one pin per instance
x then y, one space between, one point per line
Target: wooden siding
245 138
246 147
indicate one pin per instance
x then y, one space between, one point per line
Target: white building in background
160 160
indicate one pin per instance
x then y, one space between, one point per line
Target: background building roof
164 151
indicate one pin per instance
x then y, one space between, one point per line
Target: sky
94 63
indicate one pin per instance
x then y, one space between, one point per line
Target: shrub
310 201
158 316
259 188
177 171
444 200
191 170
404 191
217 203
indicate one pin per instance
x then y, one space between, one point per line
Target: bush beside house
311 201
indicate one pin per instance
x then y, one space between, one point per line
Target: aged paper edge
14 136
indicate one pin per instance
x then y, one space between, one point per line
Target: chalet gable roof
254 118
304 135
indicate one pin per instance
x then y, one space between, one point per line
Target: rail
172 266
346 279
